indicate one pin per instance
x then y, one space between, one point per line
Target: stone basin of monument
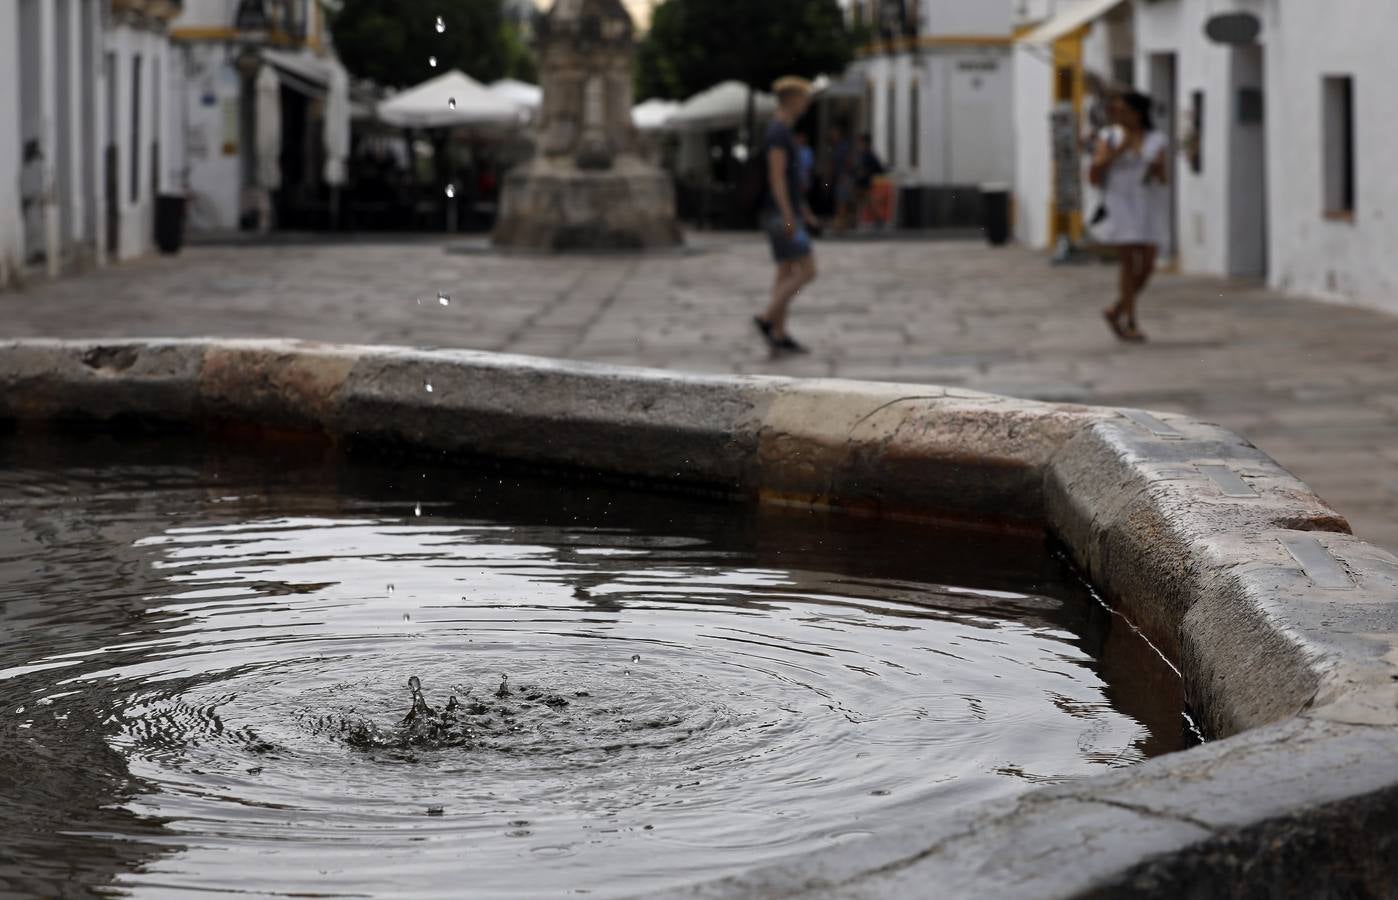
345 620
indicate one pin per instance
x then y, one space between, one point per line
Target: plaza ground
1315 385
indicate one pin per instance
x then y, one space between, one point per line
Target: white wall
1348 262
11 225
968 17
1033 171
207 14
966 97
141 123
212 171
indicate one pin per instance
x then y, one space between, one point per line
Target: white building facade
83 121
939 85
1279 137
222 47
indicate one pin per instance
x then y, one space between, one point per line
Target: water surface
205 675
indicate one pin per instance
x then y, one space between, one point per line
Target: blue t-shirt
780 136
806 161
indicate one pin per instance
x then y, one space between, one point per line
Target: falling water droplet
415 685
428 386
432 61
451 103
407 618
391 588
451 190
417 510
445 301
635 657
441 26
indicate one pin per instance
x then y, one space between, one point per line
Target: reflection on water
206 678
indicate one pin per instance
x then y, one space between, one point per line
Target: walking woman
1130 167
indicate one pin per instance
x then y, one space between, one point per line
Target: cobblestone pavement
1315 385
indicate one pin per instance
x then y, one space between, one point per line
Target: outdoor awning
724 105
449 100
1069 20
653 114
527 96
304 72
850 86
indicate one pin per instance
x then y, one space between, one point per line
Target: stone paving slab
1314 385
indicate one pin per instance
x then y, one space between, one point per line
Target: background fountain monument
588 187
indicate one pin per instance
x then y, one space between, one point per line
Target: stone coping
1284 625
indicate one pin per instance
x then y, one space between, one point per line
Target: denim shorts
787 248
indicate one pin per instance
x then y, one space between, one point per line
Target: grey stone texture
1285 626
1313 385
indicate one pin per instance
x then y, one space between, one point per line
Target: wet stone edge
1288 654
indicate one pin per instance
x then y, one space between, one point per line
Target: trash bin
995 213
169 222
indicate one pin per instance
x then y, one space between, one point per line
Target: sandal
1113 317
789 345
1134 334
765 328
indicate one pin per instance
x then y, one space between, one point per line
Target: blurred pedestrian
805 162
867 167
1130 168
842 179
786 216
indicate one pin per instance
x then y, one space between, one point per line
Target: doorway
1163 89
1247 169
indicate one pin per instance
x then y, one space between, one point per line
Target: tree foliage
694 44
389 41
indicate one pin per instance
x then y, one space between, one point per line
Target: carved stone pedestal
588 187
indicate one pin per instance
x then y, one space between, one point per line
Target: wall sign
1234 28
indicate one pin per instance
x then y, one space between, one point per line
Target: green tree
390 41
694 44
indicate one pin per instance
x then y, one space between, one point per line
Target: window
892 124
915 126
1338 103
135 128
1194 141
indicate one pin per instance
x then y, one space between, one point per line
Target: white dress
1137 212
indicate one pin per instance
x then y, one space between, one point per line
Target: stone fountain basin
1284 625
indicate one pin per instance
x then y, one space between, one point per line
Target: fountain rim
1284 625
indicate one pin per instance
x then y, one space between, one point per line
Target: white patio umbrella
451 99
269 129
653 114
724 105
523 94
337 126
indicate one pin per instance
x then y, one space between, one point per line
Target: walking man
786 216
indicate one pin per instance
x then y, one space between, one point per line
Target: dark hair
1141 105
867 138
